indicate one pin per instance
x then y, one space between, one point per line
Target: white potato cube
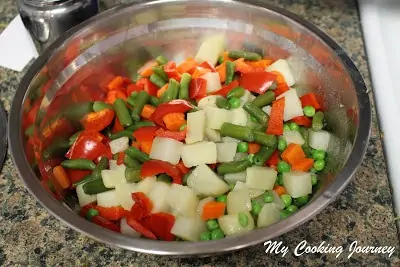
124 194
253 192
182 200
212 135
199 153
196 122
230 224
108 199
113 177
208 101
239 116
269 215
319 140
206 182
297 184
215 117
226 151
213 81
166 149
267 109
238 201
188 228
293 137
119 145
210 49
261 177
282 66
232 178
158 196
83 198
293 106
146 185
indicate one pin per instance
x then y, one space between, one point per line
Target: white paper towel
17 48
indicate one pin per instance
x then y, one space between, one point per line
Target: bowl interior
77 67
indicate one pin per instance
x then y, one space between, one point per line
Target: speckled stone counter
29 236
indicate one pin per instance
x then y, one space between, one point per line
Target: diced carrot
200 72
114 95
116 83
275 123
225 56
242 67
61 177
310 100
302 121
182 167
188 66
280 89
280 190
263 63
293 153
146 70
146 147
303 165
221 69
279 79
253 148
136 144
162 90
213 210
173 121
147 111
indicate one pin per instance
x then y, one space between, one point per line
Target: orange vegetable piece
182 167
146 70
213 210
61 177
225 56
147 111
293 153
242 67
221 69
136 144
162 90
253 148
116 83
173 121
263 63
98 121
114 95
200 72
188 66
303 165
275 123
280 190
146 147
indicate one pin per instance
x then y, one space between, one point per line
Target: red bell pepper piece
281 88
174 106
197 88
310 100
98 121
76 175
182 167
257 82
145 134
179 136
275 123
207 65
111 213
84 210
138 227
154 167
134 88
142 207
117 127
161 224
121 156
172 72
274 159
226 89
86 147
148 86
302 121
114 95
105 223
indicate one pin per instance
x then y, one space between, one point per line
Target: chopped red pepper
76 175
182 167
111 213
172 72
114 95
121 156
281 88
257 82
161 224
117 127
174 106
198 88
310 100
105 223
154 167
145 134
274 159
148 86
207 65
138 227
86 147
179 136
226 89
134 88
302 121
275 123
142 206
98 121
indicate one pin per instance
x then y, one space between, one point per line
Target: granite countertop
29 236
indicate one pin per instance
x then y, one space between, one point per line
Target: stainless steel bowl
174 28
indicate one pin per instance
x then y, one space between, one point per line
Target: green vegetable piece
283 166
230 72
293 126
235 102
134 153
257 113
95 187
285 214
263 155
100 105
292 208
205 236
279 179
159 70
313 170
86 179
123 133
242 147
80 164
58 148
268 197
253 119
255 208
268 140
132 175
309 111
221 198
73 138
264 99
223 103
233 167
243 219
172 91
30 130
184 86
236 92
212 224
286 199
314 179
164 178
319 165
250 157
102 165
131 163
318 121
141 100
217 234
138 125
220 60
318 154
236 131
157 80
300 201
282 144
154 101
286 127
91 213
250 56
78 111
131 100
122 113
161 60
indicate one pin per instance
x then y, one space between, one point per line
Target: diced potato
182 200
202 203
293 137
319 140
267 109
158 196
146 185
282 66
127 230
213 81
113 164
240 156
297 183
108 199
230 225
119 145
293 106
277 201
210 49
199 153
215 117
261 177
239 116
113 177
269 215
213 135
253 192
232 178
166 149
226 151
196 122
208 101
124 194
228 139
238 201
245 98
206 182
83 198
188 228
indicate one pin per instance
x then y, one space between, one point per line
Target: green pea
301 201
255 208
314 179
318 154
309 111
91 213
243 219
282 144
183 127
313 170
286 199
250 158
268 197
221 198
217 234
242 147
205 236
212 224
235 102
293 126
319 165
283 167
286 127
292 208
279 179
285 214
253 119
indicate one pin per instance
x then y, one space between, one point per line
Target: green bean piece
306 148
141 100
268 140
223 103
95 187
264 99
236 92
123 133
236 131
157 80
78 111
73 138
30 130
220 59
257 113
161 73
122 112
173 87
233 167
263 155
131 163
243 219
212 224
161 60
131 100
318 121
100 105
164 178
184 86
86 179
132 175
273 86
175 94
58 148
250 56
80 164
135 153
258 127
139 124
230 72
154 101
